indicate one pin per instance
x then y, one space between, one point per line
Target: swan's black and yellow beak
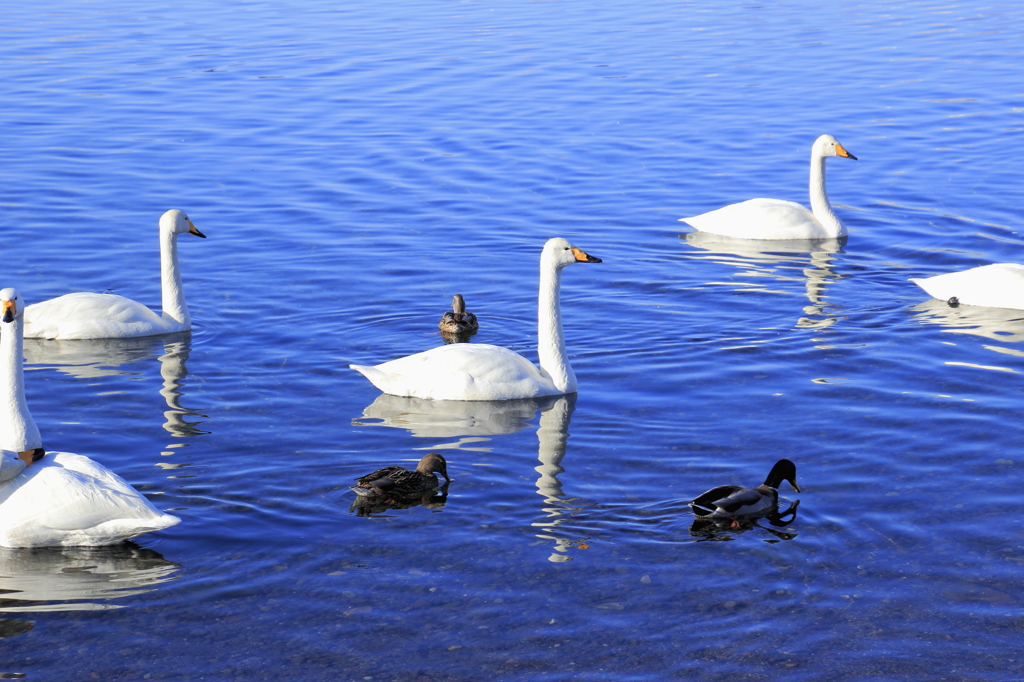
10 310
842 152
582 257
192 229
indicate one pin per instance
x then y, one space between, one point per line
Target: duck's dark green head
434 463
784 470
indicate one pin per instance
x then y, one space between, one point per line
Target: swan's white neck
18 431
174 306
554 361
820 206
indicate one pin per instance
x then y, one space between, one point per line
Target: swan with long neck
109 316
778 219
477 371
60 499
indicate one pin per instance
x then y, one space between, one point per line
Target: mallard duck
458 322
477 371
779 219
109 316
396 482
733 500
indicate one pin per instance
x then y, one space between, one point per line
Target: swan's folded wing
91 316
773 219
465 371
1000 285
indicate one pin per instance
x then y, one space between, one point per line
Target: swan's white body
63 499
778 219
1000 285
472 371
109 316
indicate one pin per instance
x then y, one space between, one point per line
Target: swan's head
826 145
177 222
11 303
563 253
434 463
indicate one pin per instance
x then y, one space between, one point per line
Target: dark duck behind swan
459 321
728 501
398 482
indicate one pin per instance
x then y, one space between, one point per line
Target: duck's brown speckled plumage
397 482
459 321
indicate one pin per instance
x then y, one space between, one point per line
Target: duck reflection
376 506
724 528
76 578
809 261
997 324
94 358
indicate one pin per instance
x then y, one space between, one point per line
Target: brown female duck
458 322
396 482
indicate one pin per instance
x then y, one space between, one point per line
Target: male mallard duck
733 500
396 481
458 322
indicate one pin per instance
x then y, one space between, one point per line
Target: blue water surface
356 164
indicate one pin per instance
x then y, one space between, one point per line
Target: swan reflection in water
95 358
75 579
807 261
473 421
724 528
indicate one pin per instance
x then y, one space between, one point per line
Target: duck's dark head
458 304
784 470
434 463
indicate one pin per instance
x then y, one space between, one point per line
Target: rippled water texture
354 165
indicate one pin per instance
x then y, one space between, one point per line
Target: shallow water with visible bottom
354 166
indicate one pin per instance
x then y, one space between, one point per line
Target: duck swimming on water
459 321
727 501
397 482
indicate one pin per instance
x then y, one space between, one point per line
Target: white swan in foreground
62 499
109 316
1000 285
476 371
778 219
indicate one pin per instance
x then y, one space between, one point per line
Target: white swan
1000 285
109 316
476 371
778 219
62 499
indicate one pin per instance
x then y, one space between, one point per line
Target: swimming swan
476 371
1000 285
62 499
778 219
109 316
